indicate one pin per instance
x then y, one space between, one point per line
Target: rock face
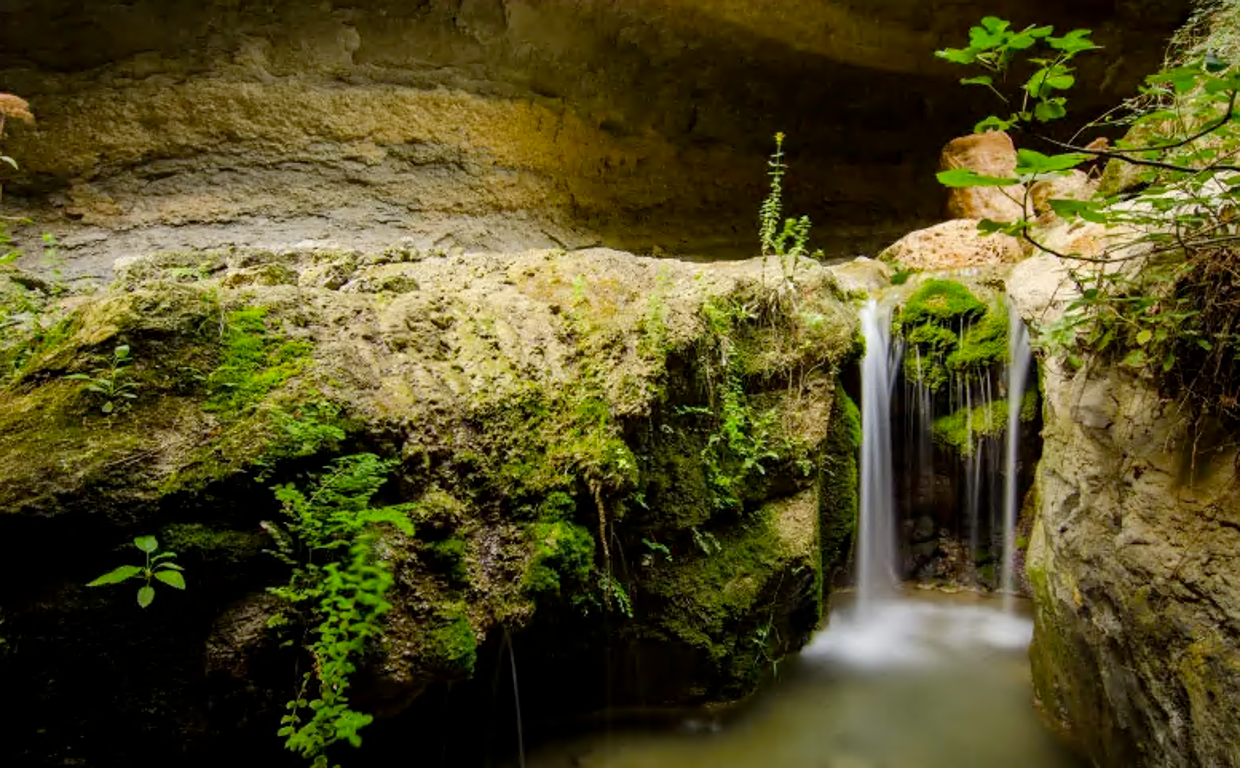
498 124
1132 563
623 464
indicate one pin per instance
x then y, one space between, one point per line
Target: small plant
654 551
337 592
159 566
785 239
112 384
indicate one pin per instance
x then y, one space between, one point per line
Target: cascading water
876 544
1020 358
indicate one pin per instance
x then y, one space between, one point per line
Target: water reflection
912 683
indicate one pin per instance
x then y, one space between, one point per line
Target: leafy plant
1162 296
337 591
159 566
112 384
784 239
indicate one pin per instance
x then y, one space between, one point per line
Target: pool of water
925 681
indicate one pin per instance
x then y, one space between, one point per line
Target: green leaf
993 123
1084 209
1050 109
121 352
957 55
979 80
147 544
108 407
116 576
145 596
1144 337
1029 161
169 566
171 578
963 177
1074 42
1135 359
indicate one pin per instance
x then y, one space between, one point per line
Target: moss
210 542
708 592
563 554
984 344
256 360
453 645
942 302
933 320
953 430
839 501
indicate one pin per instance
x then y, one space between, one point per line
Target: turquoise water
917 682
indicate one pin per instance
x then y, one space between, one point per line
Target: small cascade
876 546
1020 359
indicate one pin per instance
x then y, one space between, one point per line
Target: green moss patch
950 332
961 430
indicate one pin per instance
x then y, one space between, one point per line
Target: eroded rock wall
1132 561
497 124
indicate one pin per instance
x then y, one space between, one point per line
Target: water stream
1020 358
876 535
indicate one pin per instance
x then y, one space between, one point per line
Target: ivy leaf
171 578
145 596
963 177
147 544
116 576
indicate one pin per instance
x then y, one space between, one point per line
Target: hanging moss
983 345
991 420
839 499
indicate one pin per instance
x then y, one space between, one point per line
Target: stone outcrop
553 417
1132 561
497 124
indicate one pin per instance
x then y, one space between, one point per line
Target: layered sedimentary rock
498 124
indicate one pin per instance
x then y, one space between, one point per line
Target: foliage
784 239
112 384
1162 295
961 429
159 566
338 585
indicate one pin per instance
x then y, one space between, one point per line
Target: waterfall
876 545
1020 358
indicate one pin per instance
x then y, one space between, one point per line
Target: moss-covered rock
950 332
553 415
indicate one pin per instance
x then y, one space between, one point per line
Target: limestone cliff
1133 562
497 124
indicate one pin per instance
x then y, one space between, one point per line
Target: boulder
952 245
989 154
